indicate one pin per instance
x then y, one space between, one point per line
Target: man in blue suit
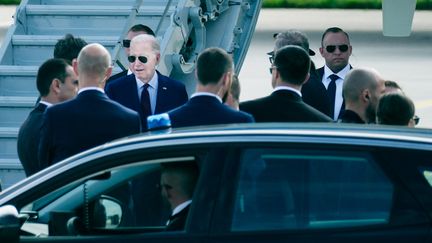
214 71
91 118
146 91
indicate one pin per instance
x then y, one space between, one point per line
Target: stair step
11 172
18 80
10 164
87 20
15 109
35 49
8 141
98 2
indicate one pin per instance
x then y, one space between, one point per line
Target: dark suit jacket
206 110
314 94
28 140
117 76
283 106
89 120
349 116
170 94
178 221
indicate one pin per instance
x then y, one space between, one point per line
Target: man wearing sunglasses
336 50
135 30
146 90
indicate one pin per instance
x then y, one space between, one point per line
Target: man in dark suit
290 71
146 91
313 91
361 90
177 186
56 82
214 71
135 30
336 50
91 118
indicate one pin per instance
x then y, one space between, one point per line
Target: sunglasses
416 119
142 59
332 48
126 43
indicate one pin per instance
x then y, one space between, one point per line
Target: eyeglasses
126 43
332 48
416 119
271 69
142 59
271 59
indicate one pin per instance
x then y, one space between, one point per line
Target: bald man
146 91
362 89
90 119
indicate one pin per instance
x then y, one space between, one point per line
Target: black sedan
256 183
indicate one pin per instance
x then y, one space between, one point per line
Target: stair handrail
119 45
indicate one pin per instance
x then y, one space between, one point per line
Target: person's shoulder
316 114
117 76
119 81
169 81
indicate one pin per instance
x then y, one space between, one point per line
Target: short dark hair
143 28
392 84
395 109
334 30
293 64
51 69
212 64
69 47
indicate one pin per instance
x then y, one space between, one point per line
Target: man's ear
75 66
366 95
55 86
306 79
157 58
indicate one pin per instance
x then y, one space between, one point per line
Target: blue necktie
331 91
145 102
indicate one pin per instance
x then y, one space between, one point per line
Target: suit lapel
162 94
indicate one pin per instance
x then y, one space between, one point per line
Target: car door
282 192
116 199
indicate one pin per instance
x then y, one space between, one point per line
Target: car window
295 189
427 174
136 197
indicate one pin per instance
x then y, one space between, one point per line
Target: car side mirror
9 224
113 212
103 213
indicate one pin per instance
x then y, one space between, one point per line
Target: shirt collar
45 103
180 207
91 88
341 74
287 88
153 82
207 94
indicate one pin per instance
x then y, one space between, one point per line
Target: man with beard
361 90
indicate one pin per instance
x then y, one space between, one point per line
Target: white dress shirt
206 94
152 90
339 84
288 88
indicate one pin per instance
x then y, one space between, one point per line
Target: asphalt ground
405 59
